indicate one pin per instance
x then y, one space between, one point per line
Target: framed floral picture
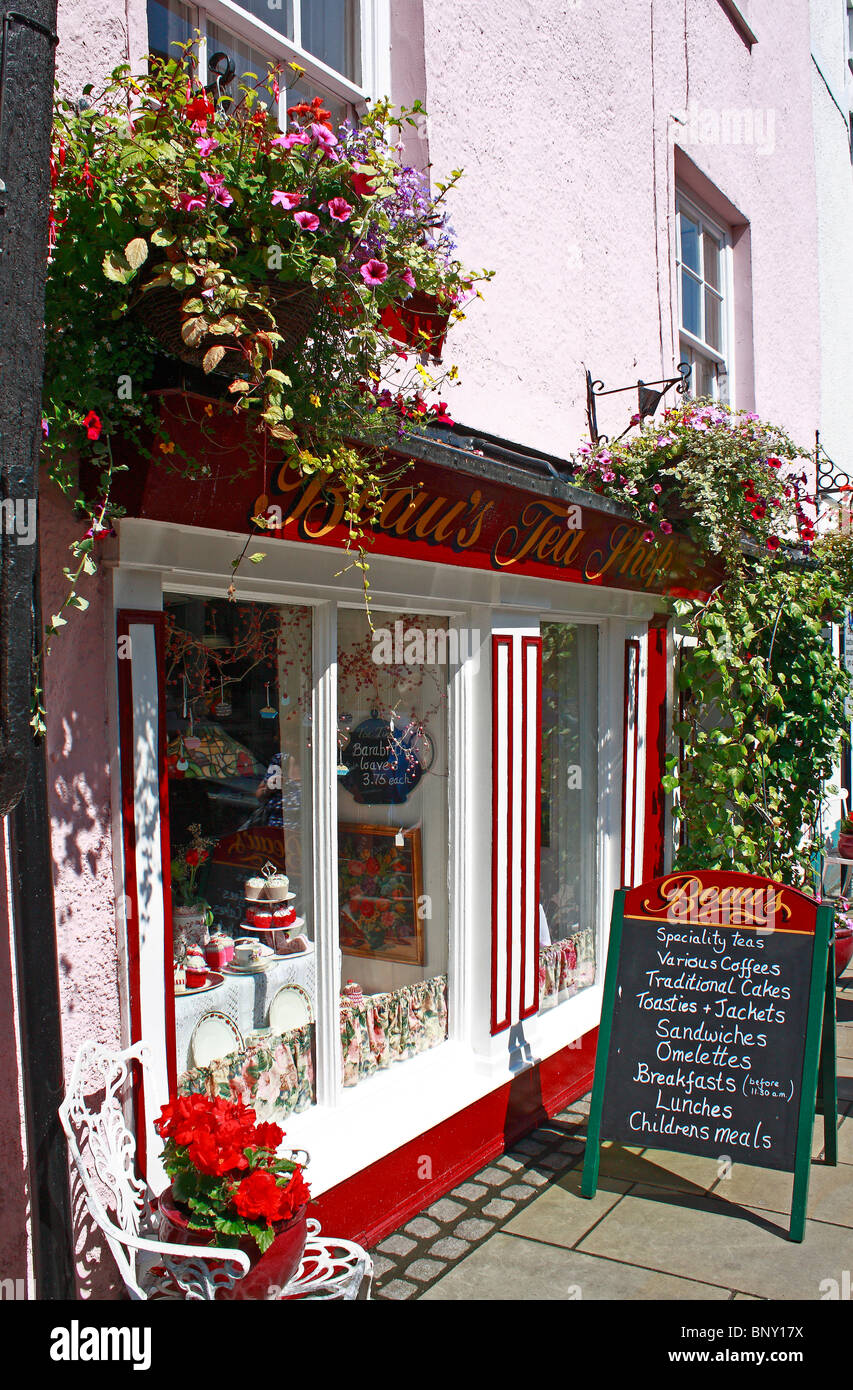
380 893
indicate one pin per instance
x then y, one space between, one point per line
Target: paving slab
830 1192
704 1238
561 1216
678 1172
510 1268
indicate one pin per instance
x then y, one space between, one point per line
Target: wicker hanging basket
293 304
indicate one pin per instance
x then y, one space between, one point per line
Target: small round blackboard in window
385 761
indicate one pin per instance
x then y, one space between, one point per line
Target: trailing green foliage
762 717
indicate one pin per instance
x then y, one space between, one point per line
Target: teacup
246 952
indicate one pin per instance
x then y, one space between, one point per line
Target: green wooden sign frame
819 1091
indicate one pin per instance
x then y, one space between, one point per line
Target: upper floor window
704 300
335 41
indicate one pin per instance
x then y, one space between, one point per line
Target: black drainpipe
27 42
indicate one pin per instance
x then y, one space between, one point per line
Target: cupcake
262 918
196 968
284 917
278 887
254 888
352 992
228 943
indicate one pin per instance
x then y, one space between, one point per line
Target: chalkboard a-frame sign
717 1029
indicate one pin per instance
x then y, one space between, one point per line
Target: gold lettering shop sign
442 517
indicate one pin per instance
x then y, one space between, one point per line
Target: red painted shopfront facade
453 888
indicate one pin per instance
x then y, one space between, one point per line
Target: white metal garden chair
124 1206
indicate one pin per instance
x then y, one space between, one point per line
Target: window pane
330 30
704 376
278 14
690 244
392 837
238 721
568 854
168 23
245 58
711 252
306 91
713 320
691 304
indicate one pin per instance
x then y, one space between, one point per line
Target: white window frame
691 346
375 49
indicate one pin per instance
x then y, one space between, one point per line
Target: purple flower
45 428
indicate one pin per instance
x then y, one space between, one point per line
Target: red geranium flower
92 425
192 857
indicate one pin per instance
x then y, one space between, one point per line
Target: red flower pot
275 1268
843 949
845 846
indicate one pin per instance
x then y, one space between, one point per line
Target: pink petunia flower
653 506
648 536
340 209
308 221
324 136
206 145
408 279
289 142
656 488
222 196
191 202
666 526
213 180
289 201
374 272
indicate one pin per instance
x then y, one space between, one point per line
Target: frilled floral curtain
388 1028
565 968
275 1075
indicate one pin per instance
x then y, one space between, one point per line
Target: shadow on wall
14 1178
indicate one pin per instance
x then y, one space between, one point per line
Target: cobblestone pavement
409 1261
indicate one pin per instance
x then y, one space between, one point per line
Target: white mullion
325 809
297 23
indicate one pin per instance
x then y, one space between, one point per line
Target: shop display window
239 702
392 836
568 858
241 809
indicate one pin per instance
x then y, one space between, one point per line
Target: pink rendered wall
79 793
565 128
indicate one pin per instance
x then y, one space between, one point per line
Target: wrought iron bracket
648 397
831 482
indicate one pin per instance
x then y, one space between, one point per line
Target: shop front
407 826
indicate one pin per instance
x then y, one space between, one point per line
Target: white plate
214 980
290 1008
214 1036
